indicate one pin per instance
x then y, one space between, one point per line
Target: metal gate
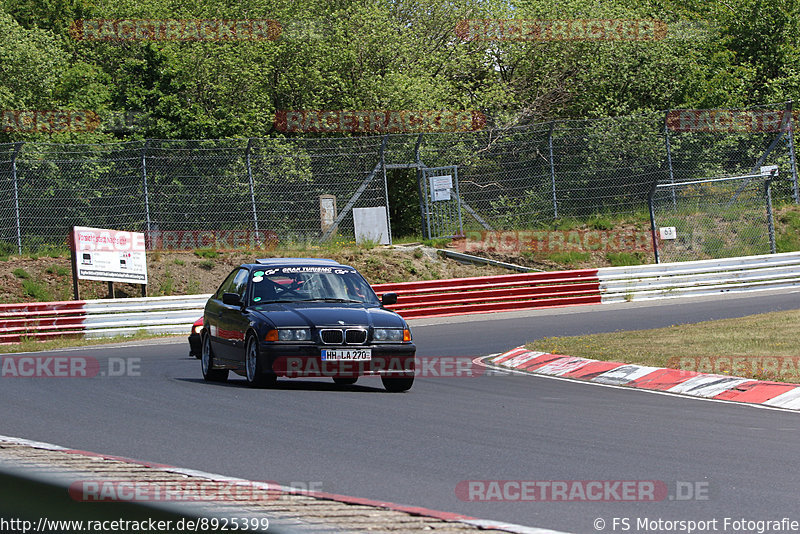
721 217
440 203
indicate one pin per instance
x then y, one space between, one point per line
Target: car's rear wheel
345 380
255 374
207 362
397 384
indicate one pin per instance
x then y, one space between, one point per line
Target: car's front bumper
296 361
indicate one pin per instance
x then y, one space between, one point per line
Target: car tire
254 374
207 362
345 380
397 384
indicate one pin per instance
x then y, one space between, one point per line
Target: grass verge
761 347
31 345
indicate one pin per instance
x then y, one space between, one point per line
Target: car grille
355 336
332 337
350 336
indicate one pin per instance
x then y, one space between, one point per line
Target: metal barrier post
386 187
252 187
792 158
553 171
653 220
421 190
17 148
770 220
144 189
669 159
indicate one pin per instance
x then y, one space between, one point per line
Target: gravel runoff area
295 510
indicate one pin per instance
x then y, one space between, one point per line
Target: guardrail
458 296
700 278
99 318
432 298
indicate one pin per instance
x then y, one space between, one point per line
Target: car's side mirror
231 299
388 299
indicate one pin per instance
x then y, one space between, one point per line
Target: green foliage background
389 54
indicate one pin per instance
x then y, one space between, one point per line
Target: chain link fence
525 177
715 218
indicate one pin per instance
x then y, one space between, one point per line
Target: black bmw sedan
304 317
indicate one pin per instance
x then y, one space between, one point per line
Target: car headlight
294 334
198 329
388 334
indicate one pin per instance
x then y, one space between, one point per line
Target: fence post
421 189
144 189
770 220
792 158
669 159
252 187
653 220
17 148
386 187
553 170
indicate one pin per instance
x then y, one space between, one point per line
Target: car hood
316 314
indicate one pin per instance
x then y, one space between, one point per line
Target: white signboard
327 211
668 232
767 170
109 255
370 225
440 187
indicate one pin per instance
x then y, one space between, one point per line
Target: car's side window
240 282
227 285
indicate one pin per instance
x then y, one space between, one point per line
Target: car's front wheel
255 374
207 362
397 384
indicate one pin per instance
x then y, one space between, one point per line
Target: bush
206 253
600 223
36 290
57 270
622 259
569 258
6 248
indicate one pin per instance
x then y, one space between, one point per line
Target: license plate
346 354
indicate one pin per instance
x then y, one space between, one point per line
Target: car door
214 314
233 320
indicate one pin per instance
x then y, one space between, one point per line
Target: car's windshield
310 284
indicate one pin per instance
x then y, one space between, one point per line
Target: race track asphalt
415 448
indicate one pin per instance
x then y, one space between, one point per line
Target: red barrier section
40 320
486 294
